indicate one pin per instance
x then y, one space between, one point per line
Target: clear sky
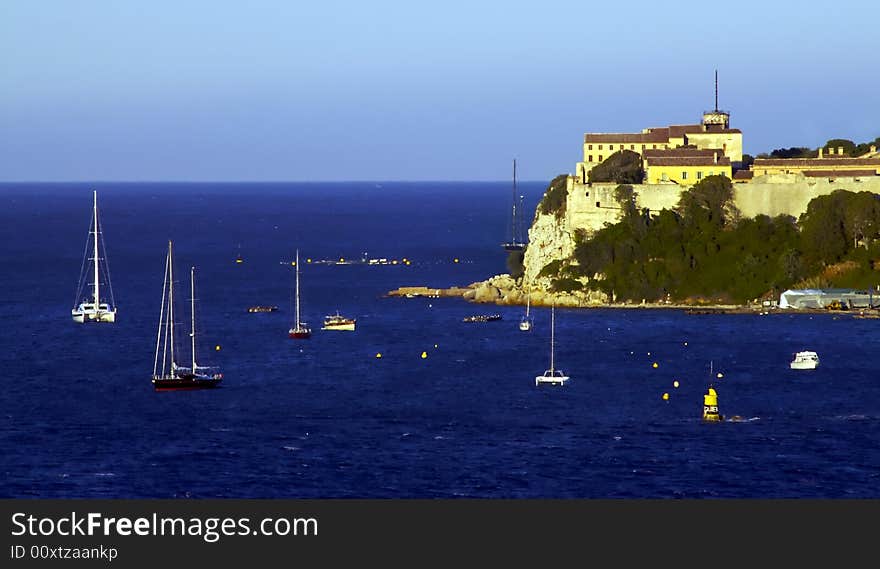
387 90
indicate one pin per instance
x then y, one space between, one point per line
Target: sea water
450 409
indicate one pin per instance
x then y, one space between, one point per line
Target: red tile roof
688 161
839 173
803 162
743 175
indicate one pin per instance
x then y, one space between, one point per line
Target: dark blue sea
326 418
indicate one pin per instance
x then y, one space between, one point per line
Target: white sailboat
526 323
552 376
93 309
300 330
170 375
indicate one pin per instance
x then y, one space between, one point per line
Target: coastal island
679 217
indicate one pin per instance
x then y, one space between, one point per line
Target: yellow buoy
308 260
720 375
656 365
665 397
293 263
217 347
675 383
341 259
455 260
424 355
710 406
378 354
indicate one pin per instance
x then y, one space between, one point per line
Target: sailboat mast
192 294
159 332
297 288
96 288
552 335
513 217
171 305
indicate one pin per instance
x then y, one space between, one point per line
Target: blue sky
386 90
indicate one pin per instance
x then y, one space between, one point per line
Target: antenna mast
716 90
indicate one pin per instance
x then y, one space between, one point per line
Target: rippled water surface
327 418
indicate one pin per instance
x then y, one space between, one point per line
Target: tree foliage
622 167
555 196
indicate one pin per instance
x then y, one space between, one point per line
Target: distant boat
261 308
167 374
300 330
93 309
525 324
238 259
805 360
516 242
482 318
338 322
552 376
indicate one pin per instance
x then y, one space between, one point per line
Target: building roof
839 173
688 161
795 162
680 151
743 175
642 137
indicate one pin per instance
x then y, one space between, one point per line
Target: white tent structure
820 298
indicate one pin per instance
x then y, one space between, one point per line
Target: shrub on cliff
622 167
555 197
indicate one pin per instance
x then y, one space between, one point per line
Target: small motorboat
805 360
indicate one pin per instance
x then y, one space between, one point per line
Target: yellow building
712 133
685 166
817 167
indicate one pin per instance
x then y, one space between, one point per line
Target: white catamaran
94 309
167 374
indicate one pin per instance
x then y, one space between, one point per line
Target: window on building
699 175
591 158
654 146
597 204
600 147
600 158
684 175
643 147
588 193
632 146
590 147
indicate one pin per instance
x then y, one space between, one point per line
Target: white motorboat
805 360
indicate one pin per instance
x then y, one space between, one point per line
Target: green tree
555 196
622 167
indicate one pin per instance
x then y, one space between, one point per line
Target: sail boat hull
87 313
300 334
190 382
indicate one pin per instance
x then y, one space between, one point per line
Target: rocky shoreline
504 290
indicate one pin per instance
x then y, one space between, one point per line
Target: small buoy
665 397
378 354
656 365
435 345
675 383
720 375
308 260
455 260
293 263
217 347
424 355
649 353
685 343
341 259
